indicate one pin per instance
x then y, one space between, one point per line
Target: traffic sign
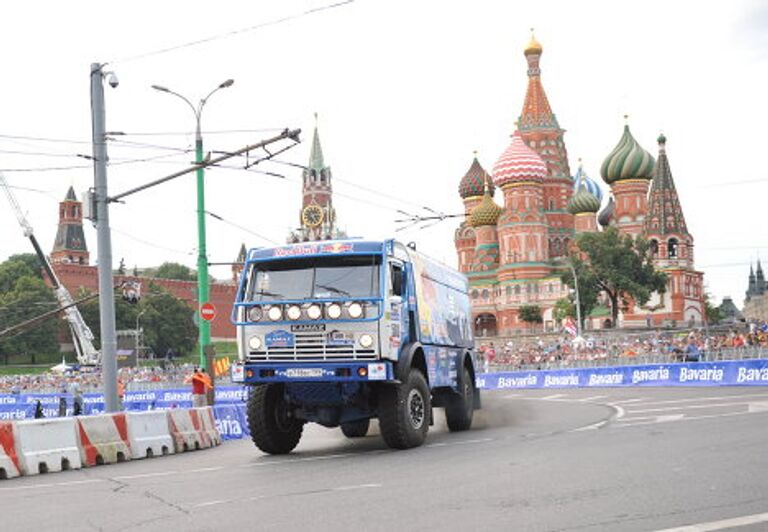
207 311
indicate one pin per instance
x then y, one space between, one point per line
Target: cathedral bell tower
317 217
69 247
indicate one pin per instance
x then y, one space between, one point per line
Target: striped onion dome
628 160
582 181
486 212
518 163
474 181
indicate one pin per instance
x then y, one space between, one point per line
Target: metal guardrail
551 361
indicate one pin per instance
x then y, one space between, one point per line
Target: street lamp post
578 300
137 334
204 336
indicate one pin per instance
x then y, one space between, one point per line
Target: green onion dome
583 201
628 160
474 181
486 212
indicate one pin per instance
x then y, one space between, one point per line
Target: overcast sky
405 92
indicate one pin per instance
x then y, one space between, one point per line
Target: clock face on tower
312 215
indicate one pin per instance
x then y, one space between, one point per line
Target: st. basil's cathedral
511 254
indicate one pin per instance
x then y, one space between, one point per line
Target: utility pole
104 239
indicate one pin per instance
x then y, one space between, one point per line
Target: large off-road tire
272 429
356 429
460 406
404 411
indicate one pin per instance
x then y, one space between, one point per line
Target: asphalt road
583 460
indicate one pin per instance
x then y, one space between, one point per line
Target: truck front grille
312 346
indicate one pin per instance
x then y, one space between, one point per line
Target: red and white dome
518 163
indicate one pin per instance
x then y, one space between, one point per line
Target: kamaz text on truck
340 332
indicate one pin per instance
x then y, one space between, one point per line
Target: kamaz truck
340 332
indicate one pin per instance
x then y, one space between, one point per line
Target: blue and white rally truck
339 332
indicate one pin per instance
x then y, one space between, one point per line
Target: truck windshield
315 278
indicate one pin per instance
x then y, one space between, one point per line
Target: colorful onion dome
586 194
628 160
474 181
582 181
486 212
518 163
604 218
534 46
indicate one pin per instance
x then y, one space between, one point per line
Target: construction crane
81 333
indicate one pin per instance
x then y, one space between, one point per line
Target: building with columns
512 252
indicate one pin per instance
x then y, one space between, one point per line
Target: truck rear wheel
404 412
461 406
356 429
272 428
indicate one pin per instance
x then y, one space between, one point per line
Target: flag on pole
569 326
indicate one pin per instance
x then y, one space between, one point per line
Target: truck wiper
333 289
269 294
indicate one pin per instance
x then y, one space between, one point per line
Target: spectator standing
200 383
39 410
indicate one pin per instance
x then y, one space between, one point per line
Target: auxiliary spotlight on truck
339 332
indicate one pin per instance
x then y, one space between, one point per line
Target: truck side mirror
397 281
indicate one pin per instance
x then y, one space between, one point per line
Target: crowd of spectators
89 379
662 346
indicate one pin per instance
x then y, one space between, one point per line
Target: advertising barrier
729 373
231 418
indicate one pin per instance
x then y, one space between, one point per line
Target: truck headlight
293 312
255 313
275 313
355 310
333 311
254 342
314 312
365 340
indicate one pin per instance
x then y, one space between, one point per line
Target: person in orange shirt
120 392
201 382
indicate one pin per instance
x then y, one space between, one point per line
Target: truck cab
340 332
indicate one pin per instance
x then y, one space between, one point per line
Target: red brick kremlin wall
74 277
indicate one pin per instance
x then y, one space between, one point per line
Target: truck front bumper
312 372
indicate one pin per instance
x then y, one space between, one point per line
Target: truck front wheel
272 428
404 412
461 405
356 429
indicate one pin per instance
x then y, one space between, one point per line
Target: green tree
31 260
530 314
619 266
713 314
165 319
588 287
564 308
174 270
167 322
24 295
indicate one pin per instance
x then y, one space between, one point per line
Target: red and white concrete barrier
103 439
47 445
190 429
149 434
9 461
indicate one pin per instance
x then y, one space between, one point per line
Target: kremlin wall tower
510 252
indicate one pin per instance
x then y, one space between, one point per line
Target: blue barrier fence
230 400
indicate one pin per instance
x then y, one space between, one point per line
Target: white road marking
627 401
594 426
552 397
54 485
710 398
691 407
682 418
720 525
211 503
357 487
593 398
149 475
755 408
511 395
